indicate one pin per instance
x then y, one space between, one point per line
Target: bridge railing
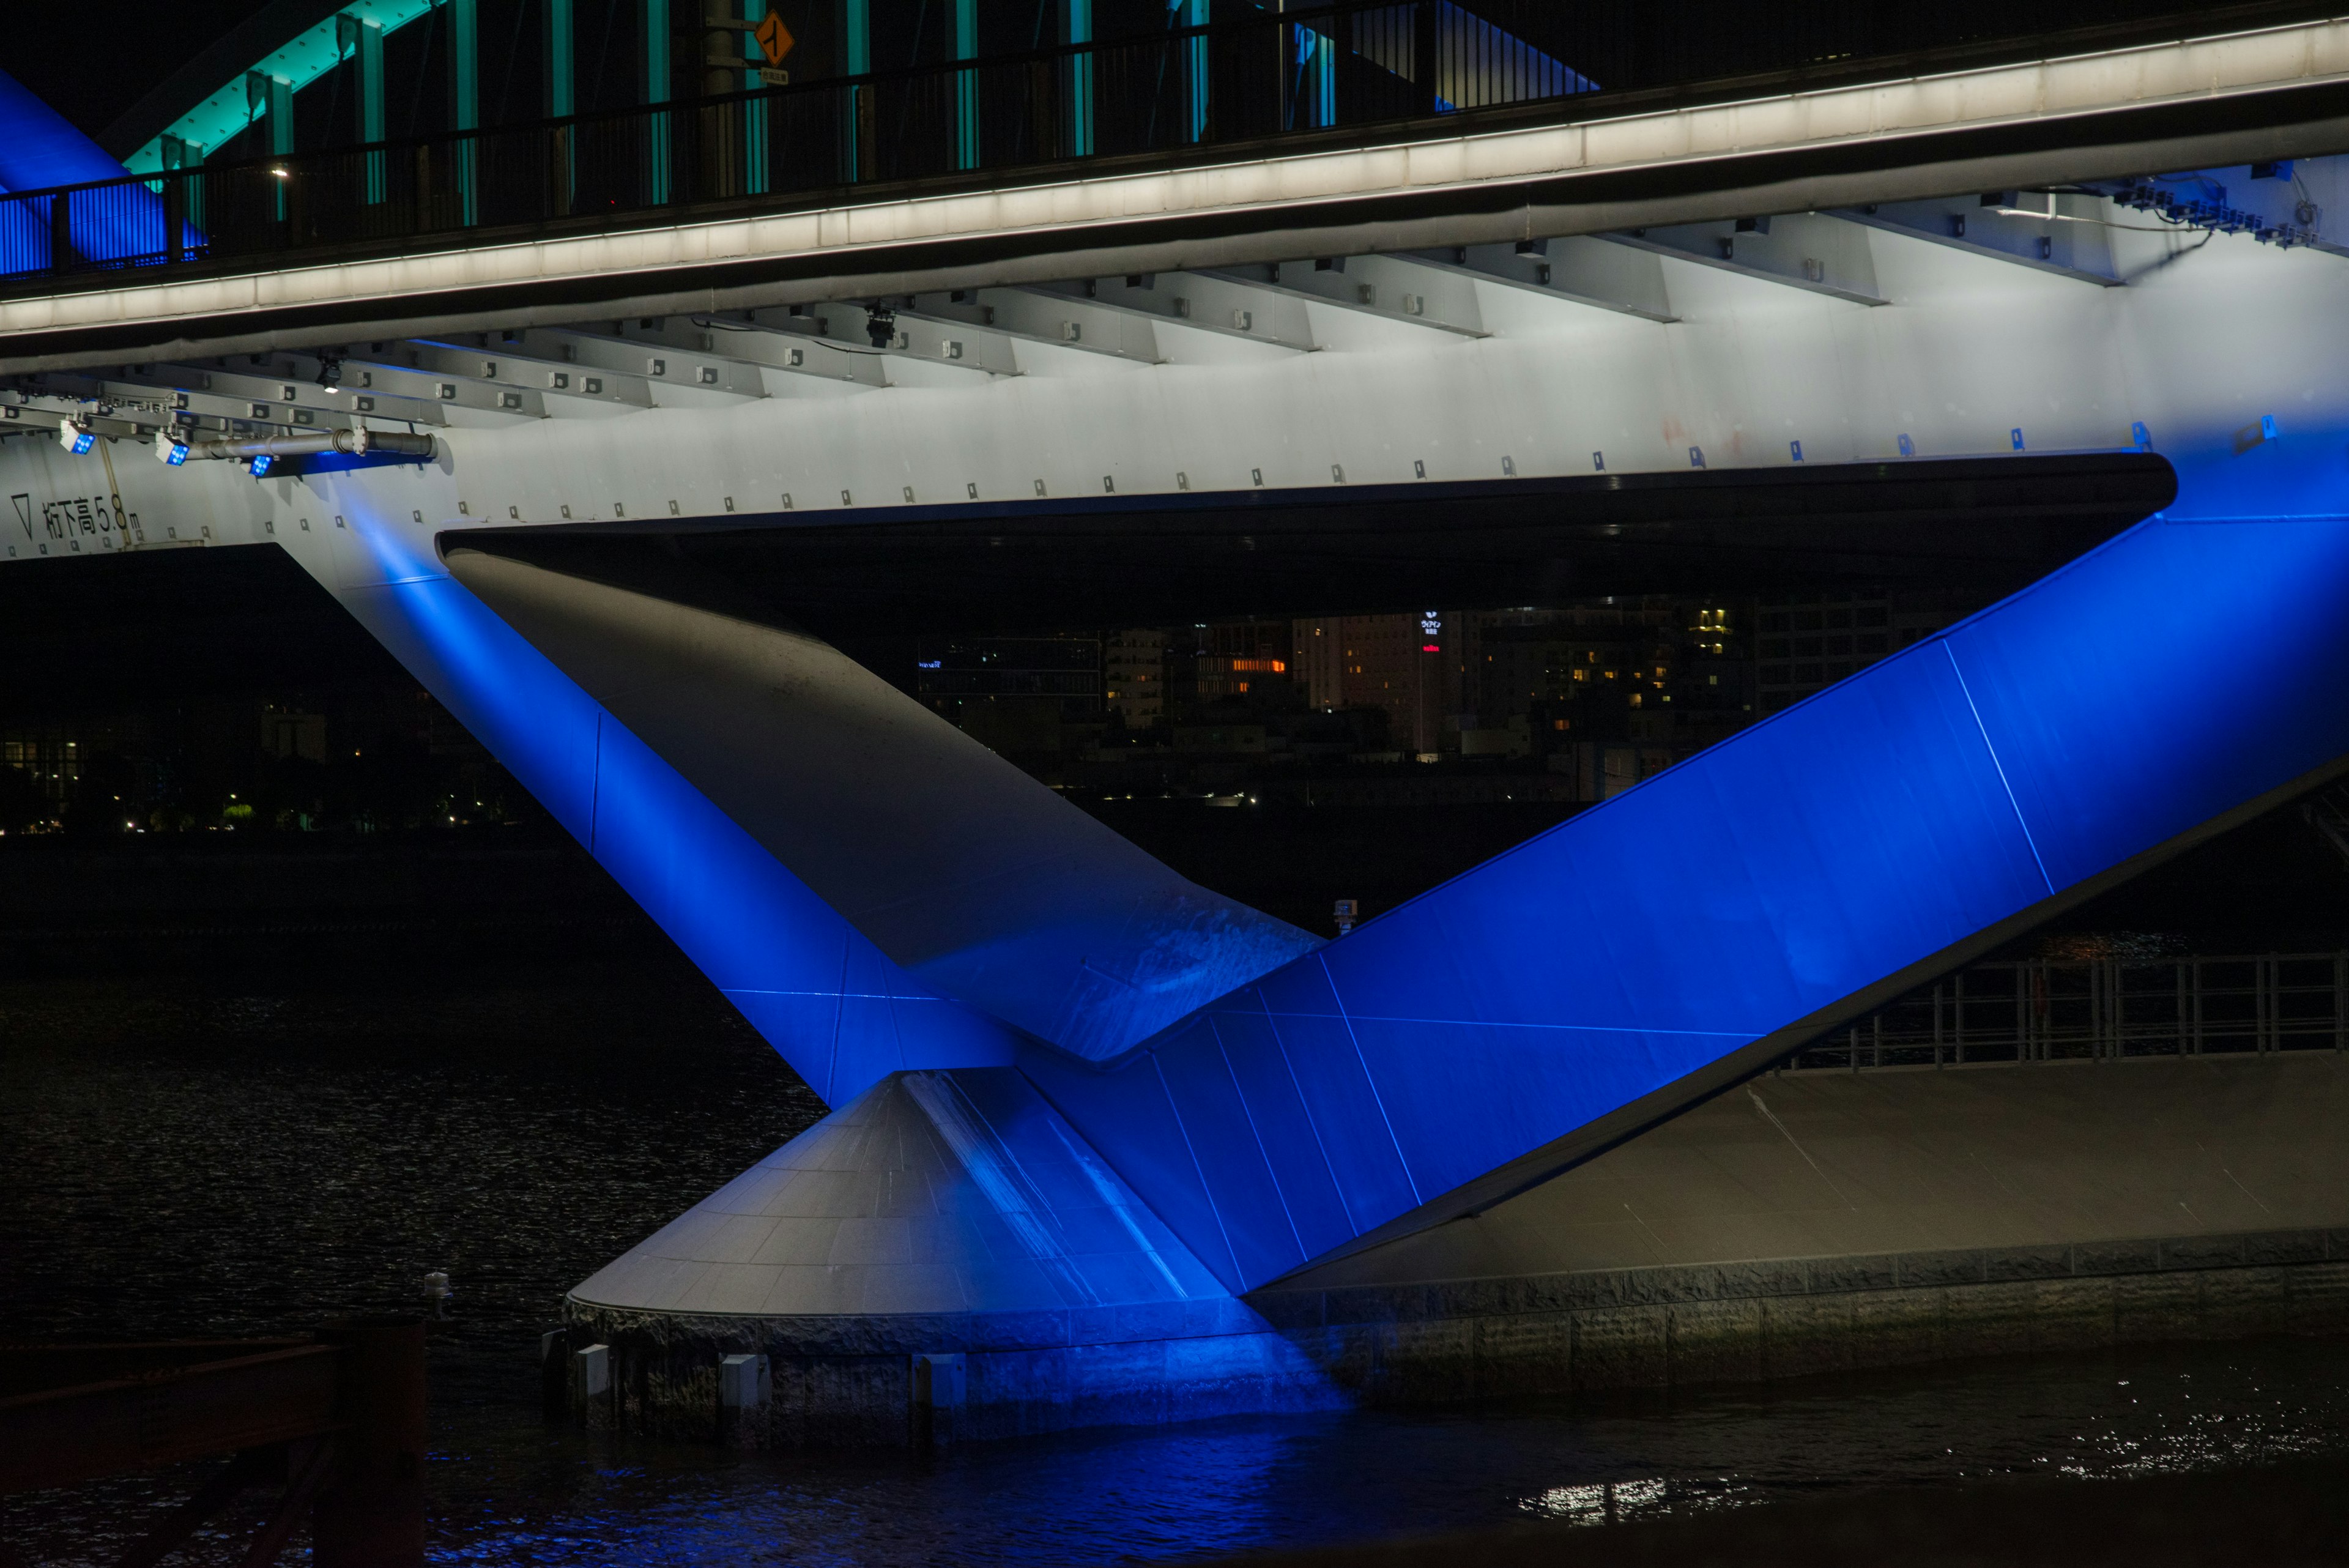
1252 75
2046 1010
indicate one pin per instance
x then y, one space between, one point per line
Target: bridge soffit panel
719 362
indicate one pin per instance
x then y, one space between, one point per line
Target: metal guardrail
334 1425
2102 1008
1254 74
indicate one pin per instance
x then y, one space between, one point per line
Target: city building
1134 676
1014 694
1807 643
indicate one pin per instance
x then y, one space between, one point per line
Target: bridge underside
1086 1104
1979 527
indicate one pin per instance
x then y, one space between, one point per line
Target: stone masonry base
927 1383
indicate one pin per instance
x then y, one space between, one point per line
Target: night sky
92 66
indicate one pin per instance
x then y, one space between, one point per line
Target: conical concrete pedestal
942 1258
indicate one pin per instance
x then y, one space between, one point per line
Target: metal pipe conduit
356 442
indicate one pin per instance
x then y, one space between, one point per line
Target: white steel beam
1067 322
2069 240
1201 302
1381 286
832 342
1579 269
1801 250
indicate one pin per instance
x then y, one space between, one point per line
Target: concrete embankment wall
1832 1220
1807 1222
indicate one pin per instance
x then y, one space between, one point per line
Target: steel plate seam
2004 783
1305 1108
1272 1172
1378 1098
1206 1189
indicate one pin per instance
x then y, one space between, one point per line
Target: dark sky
93 61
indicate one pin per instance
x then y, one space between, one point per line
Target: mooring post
938 1386
370 1511
742 1383
554 1372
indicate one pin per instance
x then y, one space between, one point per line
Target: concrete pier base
933 1380
944 1261
941 1260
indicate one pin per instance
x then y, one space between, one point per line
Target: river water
250 1155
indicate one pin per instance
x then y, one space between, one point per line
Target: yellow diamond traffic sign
774 38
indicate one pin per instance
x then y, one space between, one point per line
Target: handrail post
61 251
370 1512
1195 75
1958 1018
1426 55
175 215
560 168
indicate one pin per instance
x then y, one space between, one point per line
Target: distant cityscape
1571 704
1568 704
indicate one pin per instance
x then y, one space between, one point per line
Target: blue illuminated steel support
852 25
1077 80
838 1009
965 48
360 40
1684 934
465 101
660 145
271 98
558 45
1595 979
1196 101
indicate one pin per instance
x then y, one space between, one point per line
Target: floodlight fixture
259 466
75 436
330 375
169 449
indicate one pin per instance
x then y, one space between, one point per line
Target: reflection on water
193 1161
